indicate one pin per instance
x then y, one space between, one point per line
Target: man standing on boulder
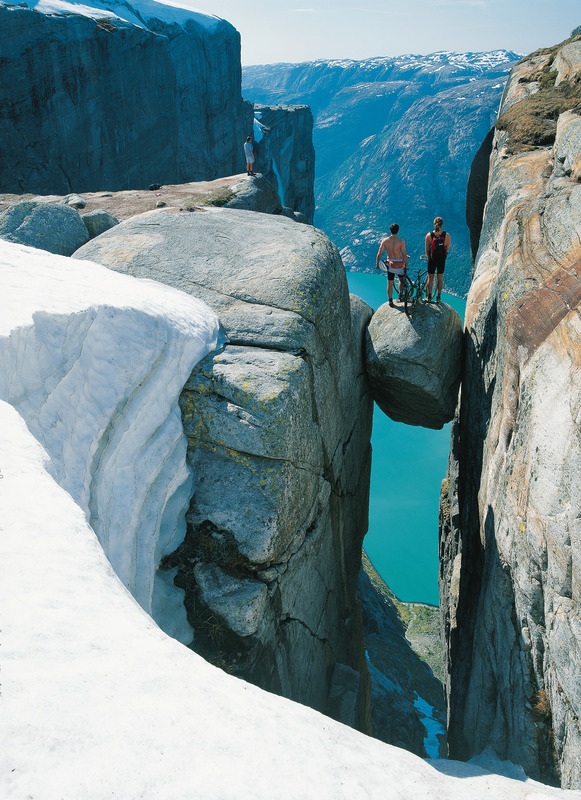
249 153
397 259
437 246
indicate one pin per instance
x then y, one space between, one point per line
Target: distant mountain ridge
289 77
394 139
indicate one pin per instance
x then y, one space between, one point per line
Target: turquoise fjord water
409 464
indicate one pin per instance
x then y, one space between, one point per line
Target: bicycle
412 291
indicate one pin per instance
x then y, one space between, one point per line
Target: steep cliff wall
278 426
285 154
510 516
135 94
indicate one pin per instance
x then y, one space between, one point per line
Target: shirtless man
397 259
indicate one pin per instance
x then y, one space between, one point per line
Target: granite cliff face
510 539
278 426
394 139
123 97
283 137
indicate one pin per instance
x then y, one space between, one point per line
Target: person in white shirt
249 153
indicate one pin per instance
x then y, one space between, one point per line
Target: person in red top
437 246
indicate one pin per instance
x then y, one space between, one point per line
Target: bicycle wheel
410 299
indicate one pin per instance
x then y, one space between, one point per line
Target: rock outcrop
510 539
255 193
283 137
46 226
99 221
117 96
413 363
393 136
278 425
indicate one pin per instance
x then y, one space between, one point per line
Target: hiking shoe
391 305
439 299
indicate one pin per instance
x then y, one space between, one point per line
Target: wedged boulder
413 363
56 228
99 221
278 425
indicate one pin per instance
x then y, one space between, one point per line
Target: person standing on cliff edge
249 153
437 246
397 259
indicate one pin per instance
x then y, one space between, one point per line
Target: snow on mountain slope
138 12
479 62
97 702
94 362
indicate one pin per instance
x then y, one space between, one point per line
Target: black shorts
392 275
432 268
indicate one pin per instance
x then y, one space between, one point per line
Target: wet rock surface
285 154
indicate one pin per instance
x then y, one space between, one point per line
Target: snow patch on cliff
138 12
94 362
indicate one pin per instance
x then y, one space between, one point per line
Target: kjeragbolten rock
413 363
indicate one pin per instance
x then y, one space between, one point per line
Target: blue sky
283 30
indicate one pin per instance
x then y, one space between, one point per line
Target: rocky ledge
63 223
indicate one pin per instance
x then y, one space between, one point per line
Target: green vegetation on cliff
532 122
420 621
